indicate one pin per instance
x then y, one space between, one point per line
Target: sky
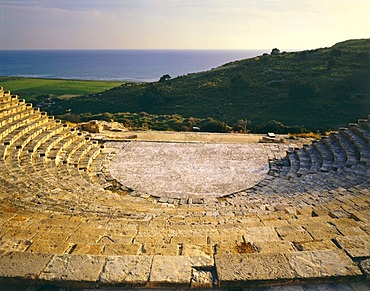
181 24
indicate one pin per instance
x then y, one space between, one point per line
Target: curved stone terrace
68 220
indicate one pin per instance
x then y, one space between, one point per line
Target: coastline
31 88
114 65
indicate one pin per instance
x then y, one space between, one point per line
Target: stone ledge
235 271
229 270
128 271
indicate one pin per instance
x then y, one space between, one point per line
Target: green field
29 88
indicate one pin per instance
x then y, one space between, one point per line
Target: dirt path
184 136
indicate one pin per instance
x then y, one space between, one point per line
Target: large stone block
170 271
323 264
73 270
126 271
365 267
355 246
253 234
25 266
236 270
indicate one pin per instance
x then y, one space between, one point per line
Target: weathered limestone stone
126 271
186 239
355 246
365 267
92 126
121 249
197 250
202 261
14 245
75 270
351 230
293 233
51 236
237 247
315 245
49 246
159 249
201 279
253 234
246 165
94 249
87 235
216 238
170 270
322 264
239 270
24 234
22 265
322 231
273 247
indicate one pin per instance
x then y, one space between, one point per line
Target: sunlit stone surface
189 169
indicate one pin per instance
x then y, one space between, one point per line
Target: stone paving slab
77 270
365 267
170 271
163 169
355 246
285 229
235 270
128 271
320 265
274 247
20 265
14 245
267 233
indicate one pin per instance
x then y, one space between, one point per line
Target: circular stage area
178 170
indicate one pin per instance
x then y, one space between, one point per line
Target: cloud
180 23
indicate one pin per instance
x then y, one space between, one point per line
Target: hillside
319 89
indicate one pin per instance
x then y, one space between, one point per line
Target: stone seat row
60 207
344 149
322 156
27 127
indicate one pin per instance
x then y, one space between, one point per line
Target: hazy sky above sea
181 24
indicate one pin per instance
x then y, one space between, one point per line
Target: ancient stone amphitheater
66 221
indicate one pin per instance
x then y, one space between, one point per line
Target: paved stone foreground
19 269
66 222
178 170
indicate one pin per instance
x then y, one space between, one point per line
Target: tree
241 125
275 51
212 125
164 78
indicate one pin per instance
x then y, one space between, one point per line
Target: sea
114 65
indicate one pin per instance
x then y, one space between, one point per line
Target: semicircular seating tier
66 221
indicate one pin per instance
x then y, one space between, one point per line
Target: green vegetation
144 121
36 89
315 90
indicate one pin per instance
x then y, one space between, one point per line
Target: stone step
326 156
21 119
352 153
17 134
13 108
10 106
360 143
316 159
34 144
304 161
338 153
294 164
